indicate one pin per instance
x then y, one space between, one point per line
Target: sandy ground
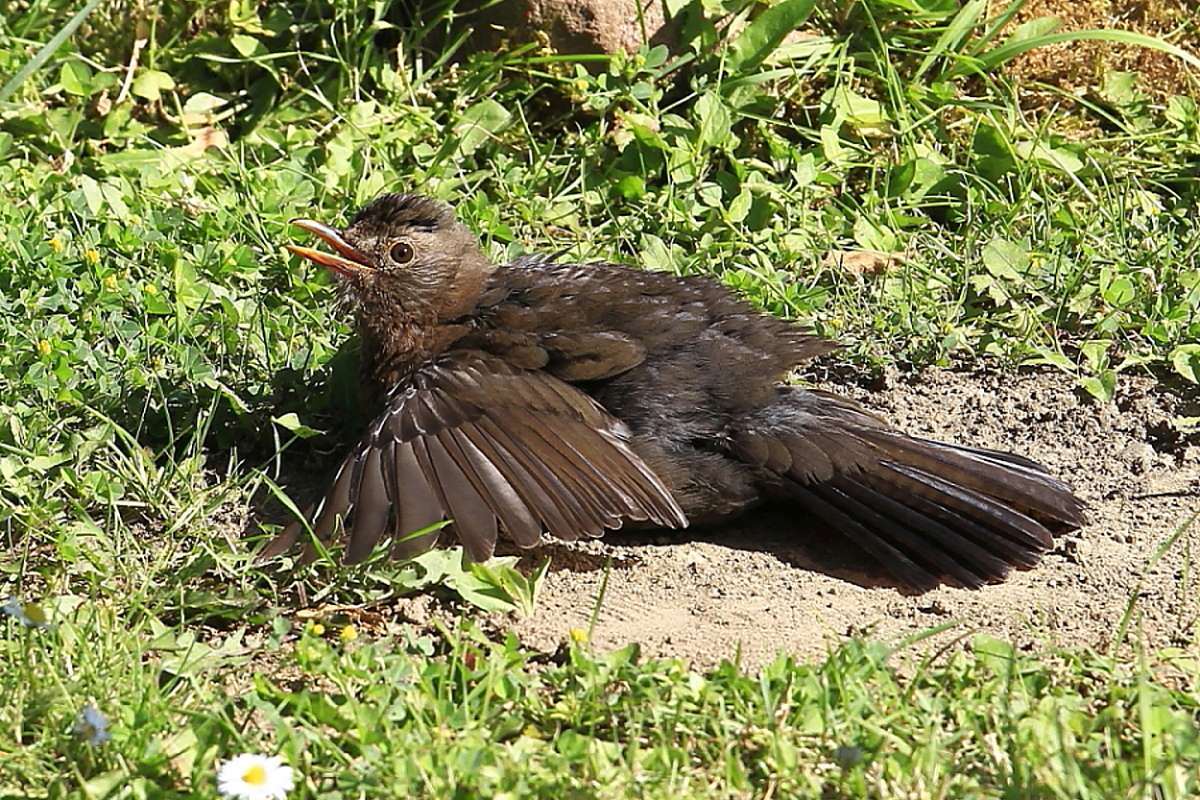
765 585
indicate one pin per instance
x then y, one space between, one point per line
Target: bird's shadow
775 531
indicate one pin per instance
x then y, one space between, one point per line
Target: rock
1139 456
573 26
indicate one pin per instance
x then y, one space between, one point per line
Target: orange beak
347 261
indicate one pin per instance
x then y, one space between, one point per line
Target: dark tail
929 512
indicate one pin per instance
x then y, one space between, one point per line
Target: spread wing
493 448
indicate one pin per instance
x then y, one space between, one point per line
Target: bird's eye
402 252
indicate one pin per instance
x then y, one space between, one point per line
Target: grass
165 368
459 715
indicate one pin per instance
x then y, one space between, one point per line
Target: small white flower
92 725
254 777
30 615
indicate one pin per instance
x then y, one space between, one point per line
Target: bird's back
668 355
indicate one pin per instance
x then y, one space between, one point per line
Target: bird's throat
392 353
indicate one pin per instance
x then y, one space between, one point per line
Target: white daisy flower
254 777
30 615
92 725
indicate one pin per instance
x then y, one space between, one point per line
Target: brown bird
541 397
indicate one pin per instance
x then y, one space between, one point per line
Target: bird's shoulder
537 289
612 308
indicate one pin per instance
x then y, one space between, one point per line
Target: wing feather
496 450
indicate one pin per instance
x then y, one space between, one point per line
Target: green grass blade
1131 605
997 25
1010 50
47 50
958 29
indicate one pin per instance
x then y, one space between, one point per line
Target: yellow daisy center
35 613
255 776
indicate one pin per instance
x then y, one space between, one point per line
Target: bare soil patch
1079 66
766 585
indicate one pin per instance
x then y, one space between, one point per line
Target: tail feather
935 550
904 565
960 537
930 512
1021 483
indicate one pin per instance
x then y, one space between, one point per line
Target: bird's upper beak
347 261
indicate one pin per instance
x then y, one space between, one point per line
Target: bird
542 397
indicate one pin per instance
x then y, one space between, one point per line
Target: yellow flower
151 289
92 256
44 347
316 629
56 244
578 635
348 634
110 282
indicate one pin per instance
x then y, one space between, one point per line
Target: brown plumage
569 399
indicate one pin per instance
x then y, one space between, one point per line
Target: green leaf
244 14
1051 357
191 291
106 783
1181 111
1032 29
900 178
765 33
740 207
494 586
42 464
1058 157
292 423
1120 88
1119 292
997 655
203 103
1186 360
76 78
872 235
150 84
1095 352
1103 387
93 195
831 144
1005 260
993 154
865 115
716 123
655 253
631 187
479 123
115 200
246 45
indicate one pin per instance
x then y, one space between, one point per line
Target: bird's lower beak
347 261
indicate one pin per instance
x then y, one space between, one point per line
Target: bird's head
403 255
